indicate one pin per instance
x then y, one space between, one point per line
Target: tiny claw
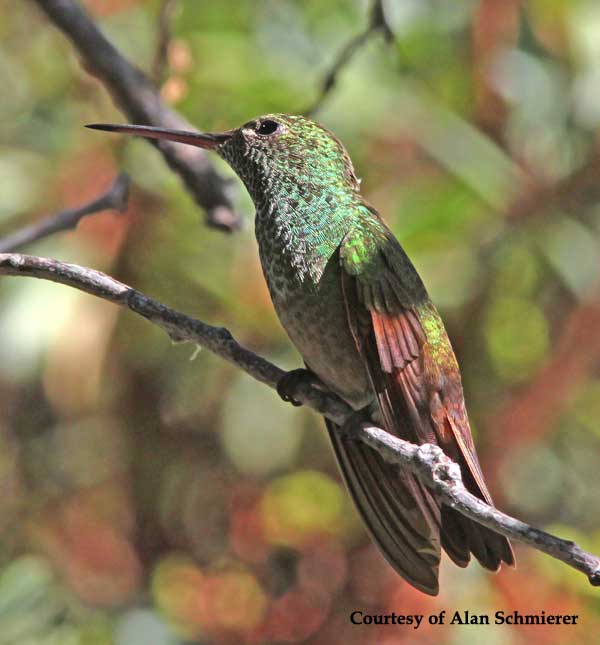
288 385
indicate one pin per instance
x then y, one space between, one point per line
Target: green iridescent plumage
356 309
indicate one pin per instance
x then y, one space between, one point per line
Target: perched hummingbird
355 307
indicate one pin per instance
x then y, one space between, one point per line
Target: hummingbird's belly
314 317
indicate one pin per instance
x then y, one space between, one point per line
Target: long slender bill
198 139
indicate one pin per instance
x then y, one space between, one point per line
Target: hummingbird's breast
307 294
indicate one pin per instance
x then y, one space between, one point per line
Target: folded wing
414 373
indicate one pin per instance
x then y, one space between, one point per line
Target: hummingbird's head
281 148
269 152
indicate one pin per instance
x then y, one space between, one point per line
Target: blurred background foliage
151 494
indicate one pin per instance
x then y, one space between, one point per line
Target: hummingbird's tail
405 521
462 536
399 512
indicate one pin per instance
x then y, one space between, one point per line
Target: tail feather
405 521
461 536
399 512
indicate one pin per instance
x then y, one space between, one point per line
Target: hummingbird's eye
266 127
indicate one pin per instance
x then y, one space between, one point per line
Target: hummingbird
356 309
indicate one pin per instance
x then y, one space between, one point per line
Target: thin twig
115 198
163 37
377 23
427 461
137 97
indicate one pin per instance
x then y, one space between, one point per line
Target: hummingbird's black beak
198 139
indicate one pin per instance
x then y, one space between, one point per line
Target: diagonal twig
439 472
427 461
377 23
137 97
115 198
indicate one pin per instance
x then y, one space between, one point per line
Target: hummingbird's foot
289 383
353 426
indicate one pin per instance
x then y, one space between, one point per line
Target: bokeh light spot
298 506
517 337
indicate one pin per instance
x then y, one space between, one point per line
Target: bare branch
115 198
377 23
443 475
427 461
177 325
137 97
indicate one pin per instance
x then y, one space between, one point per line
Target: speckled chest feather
306 291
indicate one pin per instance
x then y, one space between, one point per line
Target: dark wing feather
419 394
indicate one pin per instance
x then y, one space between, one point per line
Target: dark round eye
267 127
